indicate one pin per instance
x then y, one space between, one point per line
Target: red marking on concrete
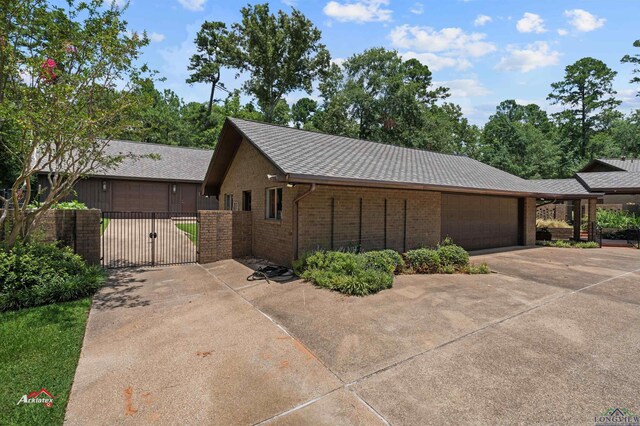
129 409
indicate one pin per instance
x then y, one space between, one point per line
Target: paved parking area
552 337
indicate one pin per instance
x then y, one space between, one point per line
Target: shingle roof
603 181
174 162
629 164
569 186
304 154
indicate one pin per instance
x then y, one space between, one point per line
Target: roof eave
302 178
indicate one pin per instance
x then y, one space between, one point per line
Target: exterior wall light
174 188
104 186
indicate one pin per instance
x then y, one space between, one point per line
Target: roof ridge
349 137
160 144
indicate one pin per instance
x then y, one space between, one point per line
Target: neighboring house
618 179
308 190
169 180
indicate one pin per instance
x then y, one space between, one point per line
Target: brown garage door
134 196
478 222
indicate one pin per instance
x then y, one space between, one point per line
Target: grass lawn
104 224
191 229
39 348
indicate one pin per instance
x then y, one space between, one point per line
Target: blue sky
486 51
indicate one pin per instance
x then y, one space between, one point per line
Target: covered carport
573 192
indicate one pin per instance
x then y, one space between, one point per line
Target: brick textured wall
215 237
242 240
319 228
552 211
529 222
270 239
78 229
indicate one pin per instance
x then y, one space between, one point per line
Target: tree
62 72
280 53
302 112
378 96
635 60
521 140
588 96
212 45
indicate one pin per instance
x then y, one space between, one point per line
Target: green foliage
569 244
587 94
453 255
40 347
635 61
346 272
384 260
483 268
280 53
616 219
62 205
33 274
423 261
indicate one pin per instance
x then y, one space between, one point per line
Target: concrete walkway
126 242
549 339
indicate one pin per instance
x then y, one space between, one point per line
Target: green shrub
423 261
447 269
348 272
453 255
63 205
616 219
384 260
300 264
483 268
38 274
569 244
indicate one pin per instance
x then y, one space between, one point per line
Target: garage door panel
477 222
133 196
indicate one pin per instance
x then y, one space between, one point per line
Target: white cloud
535 55
438 62
449 41
290 2
359 11
531 23
418 8
584 21
464 88
156 37
562 32
193 5
338 61
482 20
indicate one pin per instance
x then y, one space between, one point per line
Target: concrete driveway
551 338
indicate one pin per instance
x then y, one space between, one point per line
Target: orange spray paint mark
129 409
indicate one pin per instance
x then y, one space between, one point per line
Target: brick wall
223 234
552 211
78 229
368 226
529 222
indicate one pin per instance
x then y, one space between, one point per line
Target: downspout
295 218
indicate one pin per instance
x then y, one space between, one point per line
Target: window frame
228 197
244 201
277 193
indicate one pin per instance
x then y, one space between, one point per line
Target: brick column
591 221
576 220
529 229
87 235
215 235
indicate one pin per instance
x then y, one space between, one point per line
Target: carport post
576 220
591 215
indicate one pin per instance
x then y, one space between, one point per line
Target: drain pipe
295 218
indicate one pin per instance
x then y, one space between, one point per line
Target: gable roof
612 165
620 182
305 157
175 163
569 187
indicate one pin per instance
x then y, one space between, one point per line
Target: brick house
305 190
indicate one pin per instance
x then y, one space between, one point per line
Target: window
228 201
274 203
246 201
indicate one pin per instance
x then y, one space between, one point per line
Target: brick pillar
591 221
529 228
576 220
87 235
215 235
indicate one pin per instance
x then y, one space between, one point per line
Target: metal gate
132 239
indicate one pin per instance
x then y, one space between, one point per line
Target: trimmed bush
36 274
453 255
569 244
423 261
483 268
384 260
